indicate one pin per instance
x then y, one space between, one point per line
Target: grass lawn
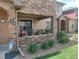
68 53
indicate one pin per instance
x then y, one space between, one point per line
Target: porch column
17 29
67 25
57 25
54 25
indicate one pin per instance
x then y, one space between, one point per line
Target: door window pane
25 28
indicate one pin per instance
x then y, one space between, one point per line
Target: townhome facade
23 18
68 21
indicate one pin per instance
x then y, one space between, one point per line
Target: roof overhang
39 7
34 16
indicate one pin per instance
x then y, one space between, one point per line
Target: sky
69 3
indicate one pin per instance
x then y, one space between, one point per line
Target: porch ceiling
34 16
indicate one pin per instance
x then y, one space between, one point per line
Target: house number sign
7 21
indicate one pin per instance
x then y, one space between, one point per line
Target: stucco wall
4 33
58 9
9 8
41 24
72 26
6 27
76 24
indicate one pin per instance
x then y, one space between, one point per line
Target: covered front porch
34 28
34 24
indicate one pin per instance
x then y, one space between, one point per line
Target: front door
63 25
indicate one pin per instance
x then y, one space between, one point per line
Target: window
72 25
48 25
25 28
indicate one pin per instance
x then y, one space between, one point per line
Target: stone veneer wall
36 39
40 7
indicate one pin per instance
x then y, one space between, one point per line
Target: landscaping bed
48 46
68 53
43 52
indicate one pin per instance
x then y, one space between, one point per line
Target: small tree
62 37
33 48
48 44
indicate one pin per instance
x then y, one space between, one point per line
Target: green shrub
48 31
40 31
47 44
33 48
62 37
51 43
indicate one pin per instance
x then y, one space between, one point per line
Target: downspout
17 41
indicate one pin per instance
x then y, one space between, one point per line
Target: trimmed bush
62 37
47 44
50 43
33 48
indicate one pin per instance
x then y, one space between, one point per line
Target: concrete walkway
2 55
3 50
